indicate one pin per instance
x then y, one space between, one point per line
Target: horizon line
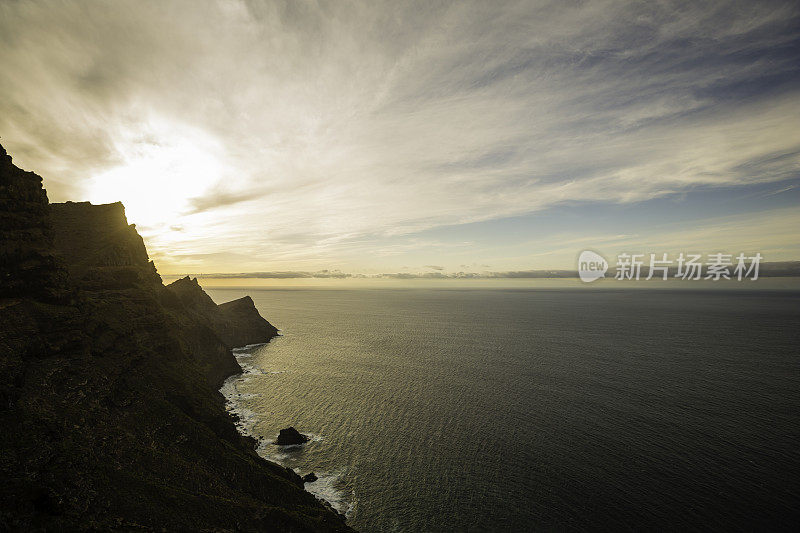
767 269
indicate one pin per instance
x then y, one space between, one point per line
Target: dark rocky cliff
241 321
109 408
27 266
236 323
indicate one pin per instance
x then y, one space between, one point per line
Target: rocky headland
109 405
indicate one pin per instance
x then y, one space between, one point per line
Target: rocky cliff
109 408
236 323
27 266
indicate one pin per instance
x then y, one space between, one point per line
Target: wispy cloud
289 274
332 123
217 199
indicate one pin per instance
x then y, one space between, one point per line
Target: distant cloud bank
770 269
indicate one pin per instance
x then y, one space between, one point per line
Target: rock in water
311 477
290 436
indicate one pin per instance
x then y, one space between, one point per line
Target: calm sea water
520 410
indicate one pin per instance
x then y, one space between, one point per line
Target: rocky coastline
109 401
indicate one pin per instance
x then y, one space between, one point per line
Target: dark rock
236 323
290 436
212 330
241 324
193 296
97 243
27 265
311 477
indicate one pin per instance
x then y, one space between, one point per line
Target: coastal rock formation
236 323
110 414
241 324
311 477
209 330
105 255
290 436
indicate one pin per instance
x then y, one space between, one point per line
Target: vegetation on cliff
108 391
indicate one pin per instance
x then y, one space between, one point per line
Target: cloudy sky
413 136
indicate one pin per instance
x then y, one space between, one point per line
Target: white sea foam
280 454
249 348
245 418
326 488
251 370
248 369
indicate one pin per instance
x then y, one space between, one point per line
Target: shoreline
245 419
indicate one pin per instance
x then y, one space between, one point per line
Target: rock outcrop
110 414
189 292
210 332
27 266
289 437
241 324
106 258
99 247
236 323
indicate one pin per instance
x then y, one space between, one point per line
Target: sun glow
160 170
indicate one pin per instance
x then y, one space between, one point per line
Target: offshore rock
290 436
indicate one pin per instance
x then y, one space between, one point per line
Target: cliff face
98 247
27 266
241 321
108 402
236 323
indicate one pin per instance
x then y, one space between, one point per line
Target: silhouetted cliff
109 408
236 323
241 321
27 266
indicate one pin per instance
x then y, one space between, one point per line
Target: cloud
516 274
221 199
361 121
322 274
769 269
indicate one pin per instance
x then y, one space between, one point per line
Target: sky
413 137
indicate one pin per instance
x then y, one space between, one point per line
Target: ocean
533 410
